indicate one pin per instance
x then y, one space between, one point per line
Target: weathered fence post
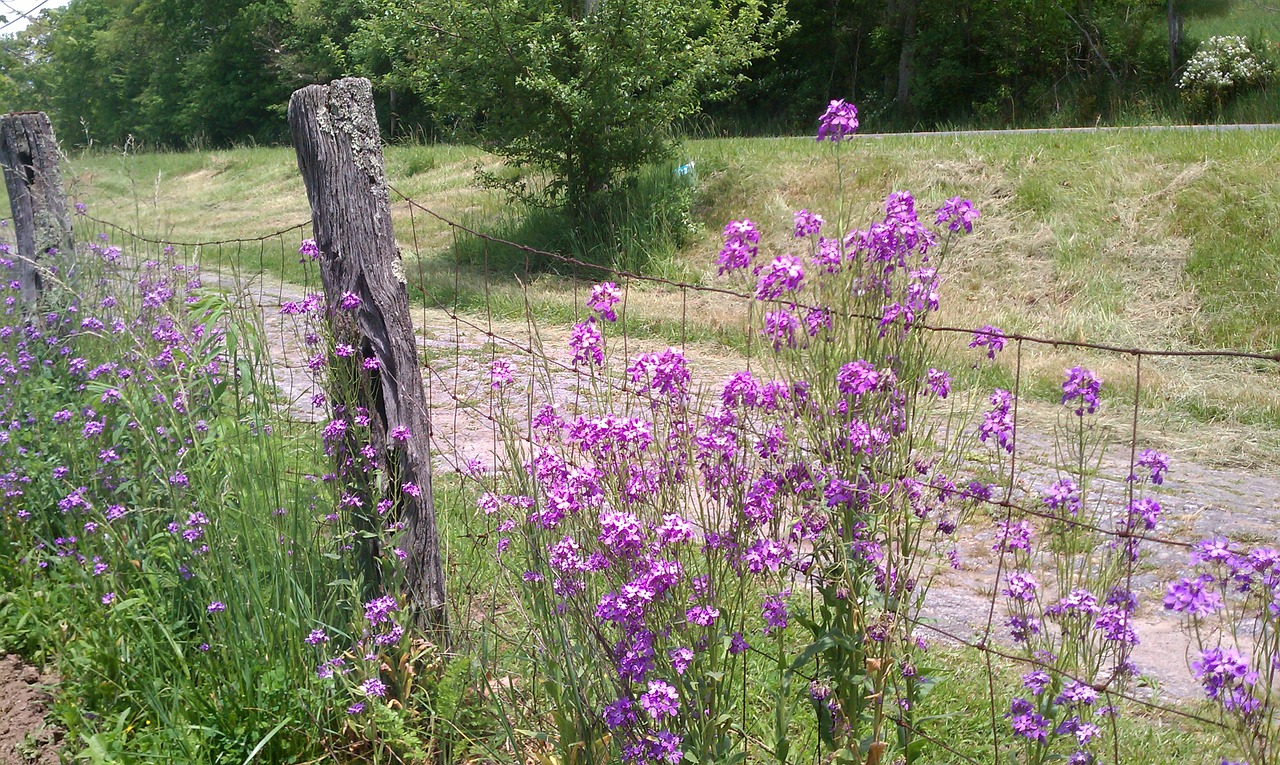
29 155
335 134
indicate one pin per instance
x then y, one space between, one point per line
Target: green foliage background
171 72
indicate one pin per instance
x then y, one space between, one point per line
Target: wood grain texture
335 134
42 226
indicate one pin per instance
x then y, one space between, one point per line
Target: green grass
1160 240
1250 18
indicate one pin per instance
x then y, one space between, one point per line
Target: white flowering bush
1222 67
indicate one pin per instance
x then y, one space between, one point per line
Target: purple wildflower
839 120
1084 385
603 298
989 337
1193 596
957 213
587 343
807 223
661 700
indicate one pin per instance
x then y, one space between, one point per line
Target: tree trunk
29 154
335 134
1174 22
907 54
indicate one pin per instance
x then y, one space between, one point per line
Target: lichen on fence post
29 155
335 134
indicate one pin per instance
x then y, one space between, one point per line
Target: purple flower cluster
741 245
839 121
1083 387
587 343
997 423
989 337
957 213
602 300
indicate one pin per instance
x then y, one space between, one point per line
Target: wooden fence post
335 134
29 155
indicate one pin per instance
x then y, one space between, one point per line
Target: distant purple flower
939 382
665 373
400 433
1013 535
501 373
619 714
783 274
355 708
374 687
622 534
1224 673
665 747
738 644
782 328
681 658
775 612
998 423
957 213
309 249
661 700
350 301
1026 722
1156 462
857 378
1078 601
989 337
1036 681
379 610
1216 550
108 599
179 479
1074 692
740 246
1146 508
216 607
1116 625
317 637
587 343
371 363
1063 495
703 616
1193 596
1022 586
807 223
603 298
1022 629
840 120
1084 385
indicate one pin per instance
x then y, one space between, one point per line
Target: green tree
585 90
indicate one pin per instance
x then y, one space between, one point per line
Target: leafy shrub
586 92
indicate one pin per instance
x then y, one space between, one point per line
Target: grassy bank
1158 240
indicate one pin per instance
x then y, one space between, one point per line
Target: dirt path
1199 501
24 737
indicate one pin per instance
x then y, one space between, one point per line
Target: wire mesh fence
497 319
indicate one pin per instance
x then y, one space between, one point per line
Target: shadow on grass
638 227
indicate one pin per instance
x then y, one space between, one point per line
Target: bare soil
25 739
